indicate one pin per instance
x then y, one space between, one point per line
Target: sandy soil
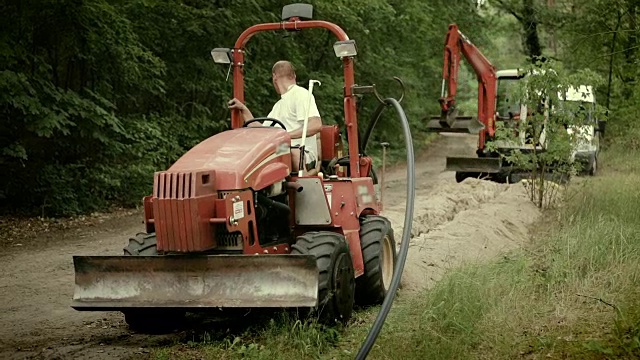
453 224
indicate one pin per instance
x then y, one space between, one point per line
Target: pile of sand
475 220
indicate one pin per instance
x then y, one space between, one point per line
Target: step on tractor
231 225
495 91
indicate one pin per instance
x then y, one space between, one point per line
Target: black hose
406 235
372 123
271 204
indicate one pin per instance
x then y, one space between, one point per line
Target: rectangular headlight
221 55
345 48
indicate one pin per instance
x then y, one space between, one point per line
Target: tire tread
369 286
324 245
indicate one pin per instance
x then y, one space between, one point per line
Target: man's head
283 74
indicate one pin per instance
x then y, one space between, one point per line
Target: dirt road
453 223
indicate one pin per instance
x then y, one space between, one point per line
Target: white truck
589 133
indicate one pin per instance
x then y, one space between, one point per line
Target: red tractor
231 225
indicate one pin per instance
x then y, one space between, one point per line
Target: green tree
97 95
553 124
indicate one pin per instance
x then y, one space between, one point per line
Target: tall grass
574 291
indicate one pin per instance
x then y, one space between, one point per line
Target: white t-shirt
291 110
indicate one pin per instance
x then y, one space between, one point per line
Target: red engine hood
240 158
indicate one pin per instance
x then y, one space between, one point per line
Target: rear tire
461 176
154 321
379 256
150 321
336 277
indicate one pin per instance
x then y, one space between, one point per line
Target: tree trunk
553 44
612 51
530 26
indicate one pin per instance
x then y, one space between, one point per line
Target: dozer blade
105 283
457 124
470 164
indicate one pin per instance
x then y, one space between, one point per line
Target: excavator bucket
114 283
470 164
452 123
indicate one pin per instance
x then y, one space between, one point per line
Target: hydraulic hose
406 234
372 123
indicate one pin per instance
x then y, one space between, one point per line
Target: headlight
221 55
345 48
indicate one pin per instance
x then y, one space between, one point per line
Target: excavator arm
487 164
457 44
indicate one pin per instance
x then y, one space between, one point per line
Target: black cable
372 123
406 235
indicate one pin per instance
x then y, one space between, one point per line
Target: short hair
284 68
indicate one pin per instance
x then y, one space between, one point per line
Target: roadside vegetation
572 293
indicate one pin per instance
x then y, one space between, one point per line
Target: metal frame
350 116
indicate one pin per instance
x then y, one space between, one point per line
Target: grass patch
282 336
572 293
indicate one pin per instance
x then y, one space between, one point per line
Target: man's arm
236 104
314 127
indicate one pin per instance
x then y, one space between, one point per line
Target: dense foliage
96 95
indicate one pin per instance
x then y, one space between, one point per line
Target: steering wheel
263 119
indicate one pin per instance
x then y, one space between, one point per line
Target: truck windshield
506 104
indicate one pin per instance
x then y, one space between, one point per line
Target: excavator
494 104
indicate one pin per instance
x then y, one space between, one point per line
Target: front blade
470 164
458 124
246 281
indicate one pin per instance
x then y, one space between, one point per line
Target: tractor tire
379 257
149 321
142 244
336 277
154 321
461 176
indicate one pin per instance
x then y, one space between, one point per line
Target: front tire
379 257
461 176
336 282
154 321
149 321
142 244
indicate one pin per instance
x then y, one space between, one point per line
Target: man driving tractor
291 110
